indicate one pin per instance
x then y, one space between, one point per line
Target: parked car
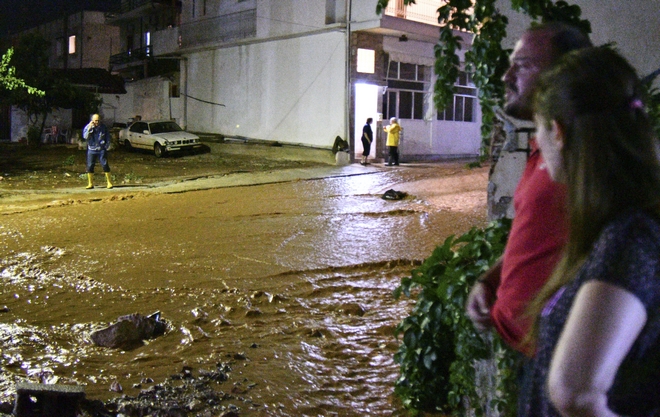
161 136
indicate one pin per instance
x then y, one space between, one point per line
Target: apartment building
293 71
81 44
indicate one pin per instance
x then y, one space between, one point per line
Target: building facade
81 44
295 71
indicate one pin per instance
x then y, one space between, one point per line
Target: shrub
69 161
440 345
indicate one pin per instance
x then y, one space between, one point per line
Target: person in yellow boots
98 142
393 131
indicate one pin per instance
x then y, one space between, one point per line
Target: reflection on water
290 284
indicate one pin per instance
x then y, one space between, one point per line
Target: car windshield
164 127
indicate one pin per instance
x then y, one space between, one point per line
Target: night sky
16 15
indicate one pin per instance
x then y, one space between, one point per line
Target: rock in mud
129 331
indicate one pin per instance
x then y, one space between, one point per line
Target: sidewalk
13 201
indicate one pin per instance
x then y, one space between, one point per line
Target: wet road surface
288 283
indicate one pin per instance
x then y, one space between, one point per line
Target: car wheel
127 145
159 151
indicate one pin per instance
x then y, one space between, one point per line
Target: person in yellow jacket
393 131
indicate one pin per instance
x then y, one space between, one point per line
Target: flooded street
286 286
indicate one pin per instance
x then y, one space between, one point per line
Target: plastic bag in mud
394 195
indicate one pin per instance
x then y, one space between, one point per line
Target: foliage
440 344
132 177
31 62
33 135
8 79
69 161
486 60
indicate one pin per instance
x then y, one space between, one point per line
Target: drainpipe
347 118
185 94
82 36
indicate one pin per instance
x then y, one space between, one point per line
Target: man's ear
559 134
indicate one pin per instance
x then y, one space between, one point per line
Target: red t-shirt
537 238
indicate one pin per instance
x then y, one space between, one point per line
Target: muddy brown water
290 283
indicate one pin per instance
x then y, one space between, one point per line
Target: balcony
165 41
132 56
133 9
219 29
423 11
128 5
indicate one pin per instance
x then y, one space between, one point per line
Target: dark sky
16 15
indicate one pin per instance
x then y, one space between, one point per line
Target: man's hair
563 37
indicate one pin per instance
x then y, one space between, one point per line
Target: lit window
72 44
407 86
366 60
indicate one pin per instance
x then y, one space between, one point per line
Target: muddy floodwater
288 285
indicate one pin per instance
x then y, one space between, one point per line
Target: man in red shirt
500 297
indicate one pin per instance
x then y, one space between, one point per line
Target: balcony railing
424 11
128 5
224 28
133 55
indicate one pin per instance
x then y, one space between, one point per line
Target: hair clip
636 104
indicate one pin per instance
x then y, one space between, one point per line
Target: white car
161 136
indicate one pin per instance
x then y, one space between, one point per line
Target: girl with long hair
597 333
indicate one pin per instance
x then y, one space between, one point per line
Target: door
366 106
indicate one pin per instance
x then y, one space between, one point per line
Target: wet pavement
284 278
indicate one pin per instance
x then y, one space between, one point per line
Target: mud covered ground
62 166
276 288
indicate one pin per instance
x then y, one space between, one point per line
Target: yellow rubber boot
90 178
107 178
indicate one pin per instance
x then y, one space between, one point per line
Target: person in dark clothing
98 142
598 329
367 139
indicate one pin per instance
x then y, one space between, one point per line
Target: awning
410 52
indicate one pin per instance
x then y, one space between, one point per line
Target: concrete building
81 44
293 71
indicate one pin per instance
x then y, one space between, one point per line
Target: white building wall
632 25
277 18
289 90
427 139
19 122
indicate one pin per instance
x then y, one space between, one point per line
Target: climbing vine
486 60
440 346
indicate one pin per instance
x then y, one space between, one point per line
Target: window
139 127
72 44
463 107
366 60
407 85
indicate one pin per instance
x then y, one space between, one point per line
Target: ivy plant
439 343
